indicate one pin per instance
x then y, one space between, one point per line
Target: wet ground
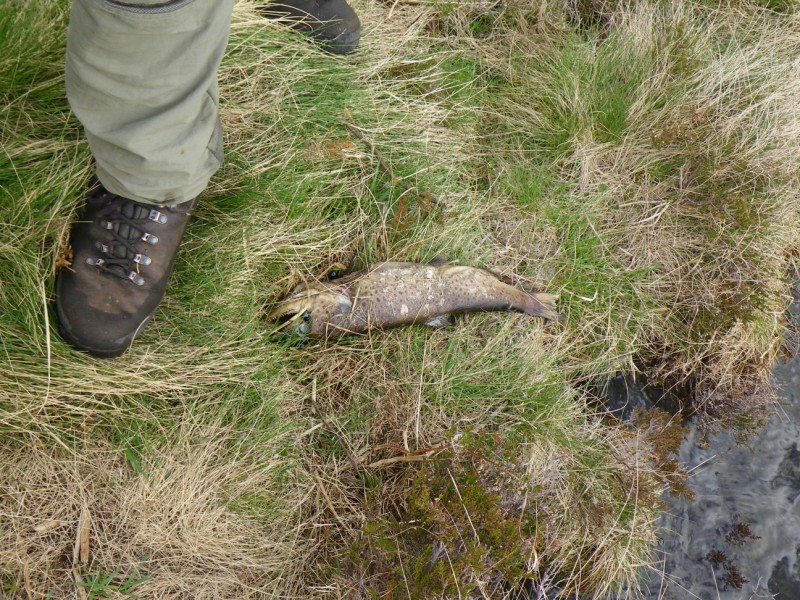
739 538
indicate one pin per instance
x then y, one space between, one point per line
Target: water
744 522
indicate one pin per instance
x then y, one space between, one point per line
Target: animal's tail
542 305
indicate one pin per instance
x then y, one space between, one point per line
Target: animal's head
310 308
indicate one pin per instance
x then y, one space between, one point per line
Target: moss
472 514
455 522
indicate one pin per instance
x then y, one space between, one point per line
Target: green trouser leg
141 75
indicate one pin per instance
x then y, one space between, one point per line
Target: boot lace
128 223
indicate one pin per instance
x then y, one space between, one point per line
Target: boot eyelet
142 259
136 278
157 217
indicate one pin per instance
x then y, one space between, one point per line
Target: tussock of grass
673 132
639 159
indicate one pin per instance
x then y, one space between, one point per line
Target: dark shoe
333 22
122 256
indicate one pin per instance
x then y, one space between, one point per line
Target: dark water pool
739 538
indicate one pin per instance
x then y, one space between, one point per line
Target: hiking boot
332 22
123 253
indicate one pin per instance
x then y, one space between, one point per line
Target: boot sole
343 44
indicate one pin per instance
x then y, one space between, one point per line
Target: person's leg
141 78
333 22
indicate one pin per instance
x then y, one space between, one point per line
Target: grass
639 159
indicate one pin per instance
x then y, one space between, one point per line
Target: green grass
639 160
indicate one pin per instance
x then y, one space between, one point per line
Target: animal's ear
440 261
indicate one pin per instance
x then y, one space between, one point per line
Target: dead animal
393 294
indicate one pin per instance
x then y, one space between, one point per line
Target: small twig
409 452
76 573
46 526
391 10
22 551
396 459
84 531
482 457
385 166
80 551
328 501
407 456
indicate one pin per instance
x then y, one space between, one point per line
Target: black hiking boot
123 254
333 22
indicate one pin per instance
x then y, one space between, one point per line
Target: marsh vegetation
640 159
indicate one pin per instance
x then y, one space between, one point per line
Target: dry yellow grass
172 525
